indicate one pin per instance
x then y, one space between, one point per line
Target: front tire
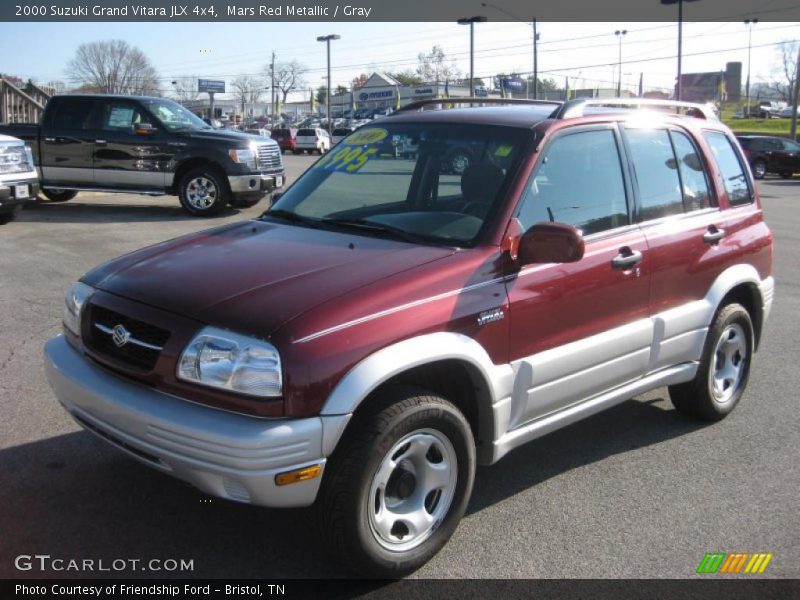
759 169
397 486
203 192
724 368
55 195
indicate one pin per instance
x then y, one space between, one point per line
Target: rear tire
203 192
759 169
59 195
724 368
398 483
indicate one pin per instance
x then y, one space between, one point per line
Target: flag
278 107
446 88
641 85
353 100
566 88
313 102
397 103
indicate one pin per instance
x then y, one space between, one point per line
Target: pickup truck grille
269 158
127 340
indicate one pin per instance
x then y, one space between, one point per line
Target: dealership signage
382 95
211 85
513 83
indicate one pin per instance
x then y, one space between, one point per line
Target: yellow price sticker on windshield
503 151
370 135
346 159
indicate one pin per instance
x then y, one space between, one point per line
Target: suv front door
579 329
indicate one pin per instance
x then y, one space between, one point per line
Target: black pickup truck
143 145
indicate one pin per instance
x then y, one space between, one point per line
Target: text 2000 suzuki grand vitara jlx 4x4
388 324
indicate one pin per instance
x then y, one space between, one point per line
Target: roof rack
420 104
577 107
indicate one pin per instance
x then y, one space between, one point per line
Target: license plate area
22 191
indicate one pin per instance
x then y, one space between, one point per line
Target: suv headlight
74 302
245 156
233 362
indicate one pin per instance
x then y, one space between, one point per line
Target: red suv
388 324
286 138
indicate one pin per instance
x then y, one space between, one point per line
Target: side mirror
144 129
551 243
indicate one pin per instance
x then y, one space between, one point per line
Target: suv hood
254 276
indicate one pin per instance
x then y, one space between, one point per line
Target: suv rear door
579 329
683 226
68 141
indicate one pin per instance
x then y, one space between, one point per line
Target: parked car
154 146
786 113
339 134
286 137
768 154
312 140
257 131
18 177
386 326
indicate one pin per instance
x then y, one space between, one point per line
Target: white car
313 140
19 179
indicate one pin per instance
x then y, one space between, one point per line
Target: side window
73 115
578 182
731 167
693 176
790 146
119 116
656 173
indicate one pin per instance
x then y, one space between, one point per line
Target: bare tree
360 81
289 76
113 67
783 74
185 88
434 66
247 90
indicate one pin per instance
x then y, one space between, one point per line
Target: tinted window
693 177
656 173
578 182
281 132
73 114
307 132
730 165
342 132
790 146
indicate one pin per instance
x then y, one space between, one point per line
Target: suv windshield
440 193
173 116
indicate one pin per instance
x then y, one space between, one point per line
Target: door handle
713 235
626 259
100 142
49 139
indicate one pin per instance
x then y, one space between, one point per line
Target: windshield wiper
292 217
366 225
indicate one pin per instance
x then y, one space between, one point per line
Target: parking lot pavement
637 491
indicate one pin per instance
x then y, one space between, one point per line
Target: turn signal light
298 475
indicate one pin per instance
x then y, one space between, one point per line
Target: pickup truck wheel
203 192
7 216
397 486
55 195
724 368
759 169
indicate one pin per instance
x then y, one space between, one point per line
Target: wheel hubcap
412 490
728 363
201 193
761 169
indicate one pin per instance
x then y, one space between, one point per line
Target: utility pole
749 23
272 88
620 33
535 62
471 22
327 39
795 95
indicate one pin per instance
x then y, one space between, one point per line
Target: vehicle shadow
73 496
75 211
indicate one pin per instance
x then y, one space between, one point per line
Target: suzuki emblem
120 335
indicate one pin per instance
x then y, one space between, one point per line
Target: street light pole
749 23
620 33
327 39
533 24
471 22
678 90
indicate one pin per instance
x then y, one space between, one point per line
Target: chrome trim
131 340
241 183
105 190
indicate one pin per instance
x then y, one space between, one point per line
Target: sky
587 53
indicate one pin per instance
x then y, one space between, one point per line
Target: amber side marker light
297 475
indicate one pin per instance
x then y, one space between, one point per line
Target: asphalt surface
637 492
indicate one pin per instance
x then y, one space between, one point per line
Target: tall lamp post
749 23
327 39
620 33
680 39
471 22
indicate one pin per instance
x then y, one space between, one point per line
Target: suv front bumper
245 184
224 454
9 192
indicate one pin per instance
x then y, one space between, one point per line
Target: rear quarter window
731 166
